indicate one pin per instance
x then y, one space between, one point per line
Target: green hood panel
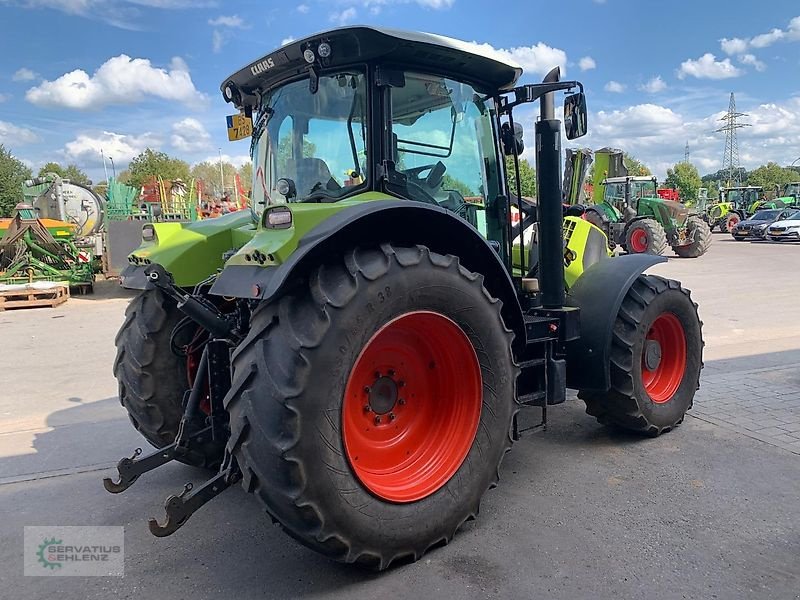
271 247
193 251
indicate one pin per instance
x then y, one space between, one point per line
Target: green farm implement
55 235
354 349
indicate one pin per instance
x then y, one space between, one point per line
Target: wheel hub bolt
392 417
391 372
377 420
401 384
366 389
367 408
401 401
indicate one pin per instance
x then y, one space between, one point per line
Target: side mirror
575 117
512 139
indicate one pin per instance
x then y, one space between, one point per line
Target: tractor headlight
278 217
148 233
324 50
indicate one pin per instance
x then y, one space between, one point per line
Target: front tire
698 230
645 236
656 358
341 387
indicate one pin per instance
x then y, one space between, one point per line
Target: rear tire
645 236
731 221
651 397
293 418
151 378
698 229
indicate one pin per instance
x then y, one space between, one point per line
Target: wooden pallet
31 298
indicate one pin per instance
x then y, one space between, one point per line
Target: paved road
707 511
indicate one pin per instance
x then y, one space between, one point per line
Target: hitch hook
179 508
127 476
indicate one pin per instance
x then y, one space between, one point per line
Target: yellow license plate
239 127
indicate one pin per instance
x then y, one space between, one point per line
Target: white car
787 229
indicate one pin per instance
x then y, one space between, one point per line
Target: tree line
149 163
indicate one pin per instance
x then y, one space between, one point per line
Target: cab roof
479 65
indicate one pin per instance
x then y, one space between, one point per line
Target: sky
81 76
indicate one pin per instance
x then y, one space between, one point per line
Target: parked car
756 226
785 229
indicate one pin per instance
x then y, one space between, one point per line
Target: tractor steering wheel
425 188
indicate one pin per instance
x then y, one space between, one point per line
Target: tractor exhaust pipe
548 172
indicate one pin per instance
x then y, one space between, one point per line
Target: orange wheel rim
411 407
664 358
639 240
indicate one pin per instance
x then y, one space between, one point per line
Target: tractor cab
791 193
626 192
361 113
742 198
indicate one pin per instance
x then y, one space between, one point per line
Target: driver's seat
309 175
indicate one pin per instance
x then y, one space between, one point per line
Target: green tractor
737 204
355 349
790 194
633 216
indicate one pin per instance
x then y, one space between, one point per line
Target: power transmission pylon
730 160
686 152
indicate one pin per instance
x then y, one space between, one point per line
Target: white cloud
657 134
344 17
614 87
642 120
375 5
767 39
217 40
24 74
708 67
303 9
85 149
750 59
236 160
587 63
654 86
125 14
741 45
733 46
4 97
189 135
120 80
13 134
538 59
233 21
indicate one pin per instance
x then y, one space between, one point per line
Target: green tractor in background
633 216
790 194
354 349
736 204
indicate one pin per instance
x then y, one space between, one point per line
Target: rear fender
599 294
400 222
